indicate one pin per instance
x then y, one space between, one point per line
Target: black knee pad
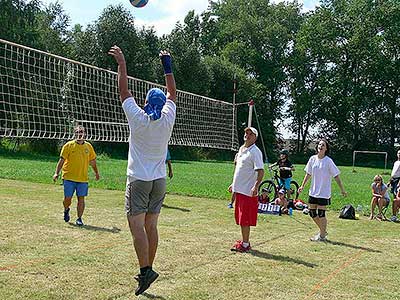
313 213
321 213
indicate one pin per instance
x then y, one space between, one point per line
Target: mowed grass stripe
206 179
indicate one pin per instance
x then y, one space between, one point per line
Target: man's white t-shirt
148 140
321 171
396 169
248 160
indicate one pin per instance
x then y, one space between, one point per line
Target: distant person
249 172
320 168
75 158
281 201
380 197
395 176
169 164
395 207
285 171
150 130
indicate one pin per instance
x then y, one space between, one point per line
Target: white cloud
173 12
160 14
176 11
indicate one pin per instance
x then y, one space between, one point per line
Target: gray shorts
144 196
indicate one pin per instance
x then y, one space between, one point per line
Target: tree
258 36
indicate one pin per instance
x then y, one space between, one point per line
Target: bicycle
273 185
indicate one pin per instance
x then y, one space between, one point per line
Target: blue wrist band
167 64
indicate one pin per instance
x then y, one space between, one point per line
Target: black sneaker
66 215
79 222
145 281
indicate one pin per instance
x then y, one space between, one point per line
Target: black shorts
319 201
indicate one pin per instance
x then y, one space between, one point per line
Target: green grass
44 258
200 179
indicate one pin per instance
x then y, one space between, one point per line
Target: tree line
331 72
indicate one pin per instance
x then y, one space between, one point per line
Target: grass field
44 258
201 179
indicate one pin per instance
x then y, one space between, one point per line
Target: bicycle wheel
268 187
294 190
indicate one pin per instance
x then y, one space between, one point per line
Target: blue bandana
155 102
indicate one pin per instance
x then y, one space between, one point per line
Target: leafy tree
257 36
191 73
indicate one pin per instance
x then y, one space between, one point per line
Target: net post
250 119
354 158
234 111
385 161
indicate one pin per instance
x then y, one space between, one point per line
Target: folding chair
384 209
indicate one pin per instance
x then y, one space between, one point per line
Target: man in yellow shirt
75 157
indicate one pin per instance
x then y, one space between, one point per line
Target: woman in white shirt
321 168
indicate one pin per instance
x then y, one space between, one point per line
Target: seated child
263 198
281 201
380 197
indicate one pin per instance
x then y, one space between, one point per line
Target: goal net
369 153
45 96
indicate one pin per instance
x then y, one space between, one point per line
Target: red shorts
246 209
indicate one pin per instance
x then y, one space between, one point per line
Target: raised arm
124 93
169 76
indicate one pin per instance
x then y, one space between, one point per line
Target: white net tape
44 96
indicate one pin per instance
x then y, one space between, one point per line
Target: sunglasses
79 131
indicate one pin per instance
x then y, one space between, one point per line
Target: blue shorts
285 182
70 187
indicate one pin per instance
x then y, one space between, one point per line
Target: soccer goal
45 96
369 152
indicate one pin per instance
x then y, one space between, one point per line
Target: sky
156 13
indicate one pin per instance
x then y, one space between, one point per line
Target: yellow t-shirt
76 162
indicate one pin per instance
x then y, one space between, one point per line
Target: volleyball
139 3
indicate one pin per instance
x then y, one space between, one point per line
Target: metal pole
234 111
386 161
251 105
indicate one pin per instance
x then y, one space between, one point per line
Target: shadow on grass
281 258
302 223
132 292
353 246
177 208
96 228
151 296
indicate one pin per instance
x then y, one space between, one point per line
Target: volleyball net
44 96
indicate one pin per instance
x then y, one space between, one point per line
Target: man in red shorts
249 172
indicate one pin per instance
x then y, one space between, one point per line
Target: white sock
245 244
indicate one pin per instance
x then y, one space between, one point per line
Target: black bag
347 212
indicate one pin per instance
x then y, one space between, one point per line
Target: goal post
370 152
